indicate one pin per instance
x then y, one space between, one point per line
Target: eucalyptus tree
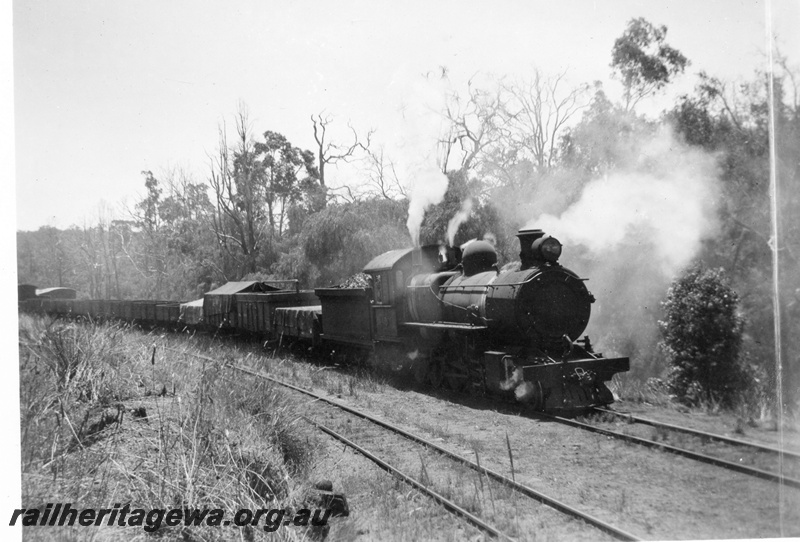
254 183
643 61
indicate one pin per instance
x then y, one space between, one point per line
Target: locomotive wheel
538 396
456 381
436 372
421 369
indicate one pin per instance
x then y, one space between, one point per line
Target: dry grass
319 374
751 410
628 388
106 420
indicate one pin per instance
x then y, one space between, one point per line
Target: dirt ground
650 493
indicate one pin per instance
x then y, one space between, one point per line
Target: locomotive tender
454 317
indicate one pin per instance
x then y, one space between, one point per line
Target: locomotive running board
446 325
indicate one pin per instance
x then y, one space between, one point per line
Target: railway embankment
109 421
116 415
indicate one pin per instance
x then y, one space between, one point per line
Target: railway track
504 481
448 504
737 466
700 434
549 501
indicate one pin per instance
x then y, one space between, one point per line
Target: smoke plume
429 188
632 232
457 220
417 132
669 196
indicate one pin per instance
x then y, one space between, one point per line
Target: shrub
702 338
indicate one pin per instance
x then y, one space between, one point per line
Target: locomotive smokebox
527 256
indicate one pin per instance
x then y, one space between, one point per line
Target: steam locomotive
452 317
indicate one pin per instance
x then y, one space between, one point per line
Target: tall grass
748 408
107 420
67 372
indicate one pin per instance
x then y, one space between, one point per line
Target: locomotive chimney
526 253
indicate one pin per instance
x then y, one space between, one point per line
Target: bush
702 338
342 238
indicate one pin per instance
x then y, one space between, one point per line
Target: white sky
104 90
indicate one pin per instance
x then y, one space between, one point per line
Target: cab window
378 289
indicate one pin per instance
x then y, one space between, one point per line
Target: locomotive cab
389 273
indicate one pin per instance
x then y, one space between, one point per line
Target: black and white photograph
391 271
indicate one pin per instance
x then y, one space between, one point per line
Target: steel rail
526 490
698 433
752 471
444 501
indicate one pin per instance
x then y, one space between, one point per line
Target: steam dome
479 256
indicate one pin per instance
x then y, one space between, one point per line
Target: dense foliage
702 332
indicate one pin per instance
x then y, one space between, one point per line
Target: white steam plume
457 220
417 132
429 188
631 233
665 205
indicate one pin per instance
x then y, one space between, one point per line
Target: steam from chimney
457 220
430 185
417 133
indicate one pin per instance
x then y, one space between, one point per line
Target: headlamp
551 249
547 248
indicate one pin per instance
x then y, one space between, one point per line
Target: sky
105 90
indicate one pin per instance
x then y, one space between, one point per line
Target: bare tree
237 219
346 193
99 254
109 250
332 153
476 125
536 112
511 130
382 175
